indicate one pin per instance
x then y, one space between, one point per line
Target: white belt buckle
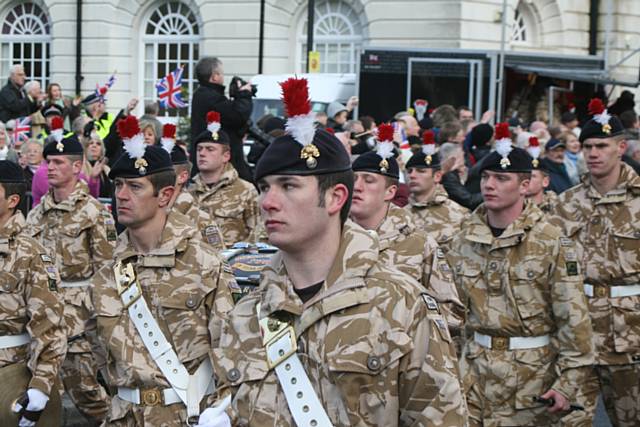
282 355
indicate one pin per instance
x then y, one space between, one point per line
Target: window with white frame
26 39
524 25
171 39
337 37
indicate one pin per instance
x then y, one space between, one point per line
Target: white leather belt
151 397
611 291
9 341
190 388
306 409
76 284
510 343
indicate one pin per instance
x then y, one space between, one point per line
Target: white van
323 89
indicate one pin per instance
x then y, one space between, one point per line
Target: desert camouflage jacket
29 302
186 205
373 344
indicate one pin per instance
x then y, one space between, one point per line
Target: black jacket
558 176
458 193
234 118
15 103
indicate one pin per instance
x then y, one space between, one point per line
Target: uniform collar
397 222
344 286
80 192
183 202
175 238
229 175
437 198
628 181
478 230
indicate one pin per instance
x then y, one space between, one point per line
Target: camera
233 87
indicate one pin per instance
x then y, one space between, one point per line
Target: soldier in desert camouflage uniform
182 200
429 204
545 200
219 191
30 308
369 348
402 245
529 333
161 263
79 234
602 214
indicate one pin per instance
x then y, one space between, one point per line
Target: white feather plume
302 128
429 149
57 134
503 147
602 118
135 146
385 149
167 144
534 151
213 127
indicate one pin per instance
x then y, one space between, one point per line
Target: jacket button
191 302
233 375
373 363
530 274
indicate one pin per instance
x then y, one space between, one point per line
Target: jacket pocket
529 287
535 372
74 252
626 324
13 303
626 238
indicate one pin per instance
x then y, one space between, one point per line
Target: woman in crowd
96 163
574 161
70 107
6 152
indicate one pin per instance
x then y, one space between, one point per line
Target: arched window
337 36
524 26
171 39
26 40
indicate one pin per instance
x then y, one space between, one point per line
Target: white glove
216 416
37 400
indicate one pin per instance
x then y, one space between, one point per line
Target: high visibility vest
103 124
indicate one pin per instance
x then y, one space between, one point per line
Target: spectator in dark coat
14 101
234 113
554 164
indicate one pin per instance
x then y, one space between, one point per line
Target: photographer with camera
234 112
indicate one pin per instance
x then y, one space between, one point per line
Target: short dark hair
523 176
183 167
161 180
327 181
389 181
151 108
448 131
628 119
18 188
206 67
367 122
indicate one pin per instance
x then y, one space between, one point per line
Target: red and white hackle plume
133 142
600 114
385 145
428 146
300 118
57 132
168 140
213 123
420 106
534 150
503 143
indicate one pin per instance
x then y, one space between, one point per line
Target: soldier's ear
13 201
165 195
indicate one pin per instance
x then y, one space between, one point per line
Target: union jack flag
21 129
169 88
101 91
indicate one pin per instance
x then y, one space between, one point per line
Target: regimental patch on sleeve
112 235
211 235
444 267
53 277
46 258
572 268
439 253
431 303
565 241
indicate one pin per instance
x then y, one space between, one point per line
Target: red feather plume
385 132
502 131
533 142
169 131
595 106
213 116
295 96
428 137
128 127
57 123
103 90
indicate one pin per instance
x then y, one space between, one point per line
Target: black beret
11 172
419 160
91 99
178 156
567 117
51 110
372 162
68 146
414 140
154 160
426 123
593 129
518 161
481 135
273 123
220 137
285 156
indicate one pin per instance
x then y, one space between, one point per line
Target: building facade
141 41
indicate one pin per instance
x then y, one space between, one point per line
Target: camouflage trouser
79 376
620 388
